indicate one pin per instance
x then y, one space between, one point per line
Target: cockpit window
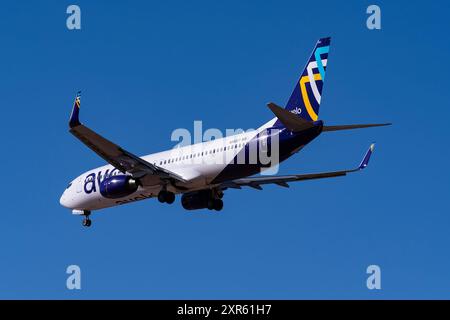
70 184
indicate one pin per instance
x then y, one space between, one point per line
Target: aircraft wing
115 155
256 182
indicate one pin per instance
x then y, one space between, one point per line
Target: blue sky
147 68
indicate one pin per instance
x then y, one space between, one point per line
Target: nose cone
64 201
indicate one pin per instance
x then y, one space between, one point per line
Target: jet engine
118 186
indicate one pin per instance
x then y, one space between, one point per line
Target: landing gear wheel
162 196
166 196
170 197
87 222
210 205
218 204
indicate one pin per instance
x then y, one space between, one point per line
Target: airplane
191 172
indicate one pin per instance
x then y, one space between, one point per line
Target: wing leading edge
256 182
121 159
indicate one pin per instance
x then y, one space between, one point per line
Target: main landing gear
166 196
86 221
215 204
210 199
215 201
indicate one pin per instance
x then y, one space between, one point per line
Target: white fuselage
198 164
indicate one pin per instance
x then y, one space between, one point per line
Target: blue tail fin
305 99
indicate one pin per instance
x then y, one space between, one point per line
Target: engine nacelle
196 200
118 186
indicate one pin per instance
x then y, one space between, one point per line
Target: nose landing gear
86 221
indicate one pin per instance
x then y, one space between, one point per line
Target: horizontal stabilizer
289 119
354 126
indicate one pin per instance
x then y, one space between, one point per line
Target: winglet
365 160
74 116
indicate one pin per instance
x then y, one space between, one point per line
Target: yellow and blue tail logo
305 99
